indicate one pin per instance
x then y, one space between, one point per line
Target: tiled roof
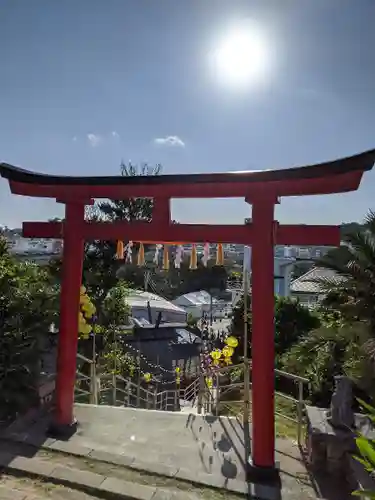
305 283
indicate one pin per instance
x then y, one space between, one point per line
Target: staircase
115 390
225 396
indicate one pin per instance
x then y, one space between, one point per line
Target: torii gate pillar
64 422
263 349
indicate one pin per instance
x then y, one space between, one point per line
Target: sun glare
241 57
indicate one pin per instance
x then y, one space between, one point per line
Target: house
145 305
162 348
307 291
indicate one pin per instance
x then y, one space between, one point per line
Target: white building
145 304
199 303
24 246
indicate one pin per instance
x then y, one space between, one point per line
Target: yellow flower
231 341
147 377
228 361
178 369
209 382
228 351
215 354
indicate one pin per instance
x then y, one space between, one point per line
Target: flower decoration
216 355
231 342
147 377
87 312
228 351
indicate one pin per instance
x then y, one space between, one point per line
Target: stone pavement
200 449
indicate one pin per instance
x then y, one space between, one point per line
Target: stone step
97 477
27 488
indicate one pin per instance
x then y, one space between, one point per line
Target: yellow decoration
165 258
178 369
228 351
82 290
82 299
215 354
228 361
209 382
220 255
120 250
141 255
178 380
231 342
147 377
193 257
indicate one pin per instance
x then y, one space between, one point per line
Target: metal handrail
221 390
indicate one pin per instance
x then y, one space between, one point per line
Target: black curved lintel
358 163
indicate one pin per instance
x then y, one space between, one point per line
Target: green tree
352 289
334 349
292 321
175 282
28 306
100 266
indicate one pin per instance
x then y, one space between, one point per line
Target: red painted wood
263 349
338 183
69 308
288 234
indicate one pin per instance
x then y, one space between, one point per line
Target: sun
241 57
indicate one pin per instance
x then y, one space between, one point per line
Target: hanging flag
120 250
157 253
141 255
206 254
129 252
165 258
220 255
193 257
178 257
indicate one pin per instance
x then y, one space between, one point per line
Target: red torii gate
261 189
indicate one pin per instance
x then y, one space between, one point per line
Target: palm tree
352 290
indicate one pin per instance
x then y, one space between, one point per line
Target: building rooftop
306 282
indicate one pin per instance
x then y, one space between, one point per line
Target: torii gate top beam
338 176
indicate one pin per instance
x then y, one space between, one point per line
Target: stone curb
152 468
90 482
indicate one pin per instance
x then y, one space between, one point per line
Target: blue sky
85 84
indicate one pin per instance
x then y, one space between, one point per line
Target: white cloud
94 139
115 134
170 140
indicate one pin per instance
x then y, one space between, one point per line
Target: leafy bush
366 449
28 306
330 351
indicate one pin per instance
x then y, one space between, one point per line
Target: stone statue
341 413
